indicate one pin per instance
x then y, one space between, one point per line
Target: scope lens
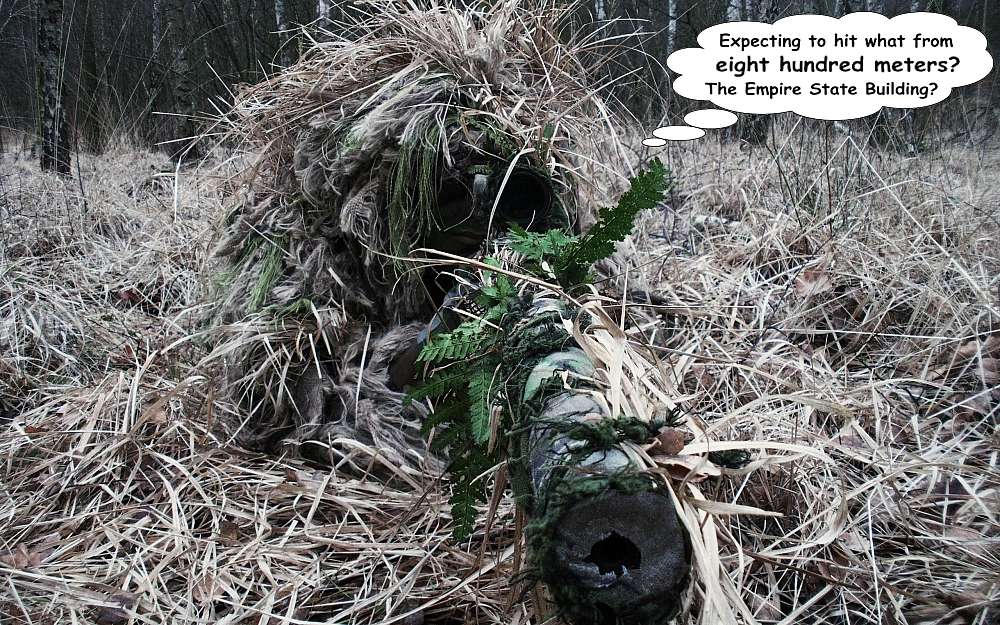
526 200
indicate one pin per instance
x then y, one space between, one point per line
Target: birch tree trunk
157 24
284 43
55 154
183 131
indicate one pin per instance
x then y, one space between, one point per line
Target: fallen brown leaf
671 441
813 281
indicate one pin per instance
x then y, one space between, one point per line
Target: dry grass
832 308
846 300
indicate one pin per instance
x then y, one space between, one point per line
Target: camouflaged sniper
363 152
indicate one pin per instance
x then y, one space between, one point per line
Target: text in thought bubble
827 68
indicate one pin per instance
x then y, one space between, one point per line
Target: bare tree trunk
281 19
183 130
753 128
55 153
690 18
157 25
285 44
600 10
94 124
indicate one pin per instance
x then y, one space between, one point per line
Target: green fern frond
441 382
459 344
481 403
450 438
463 510
466 466
614 224
445 413
539 246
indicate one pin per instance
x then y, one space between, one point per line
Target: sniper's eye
526 200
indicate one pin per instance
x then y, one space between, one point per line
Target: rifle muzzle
609 542
625 552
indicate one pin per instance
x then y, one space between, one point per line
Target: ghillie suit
365 153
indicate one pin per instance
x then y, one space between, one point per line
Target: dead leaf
671 441
849 437
205 591
129 295
693 468
157 412
964 539
969 407
21 558
854 541
229 533
988 348
989 371
813 281
126 355
765 609
110 615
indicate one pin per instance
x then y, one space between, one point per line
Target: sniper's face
484 202
474 204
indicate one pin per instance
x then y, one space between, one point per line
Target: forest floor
832 308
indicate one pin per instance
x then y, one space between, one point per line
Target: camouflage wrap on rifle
603 534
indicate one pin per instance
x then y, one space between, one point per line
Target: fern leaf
466 489
538 246
440 383
446 413
457 344
463 512
614 224
448 438
480 403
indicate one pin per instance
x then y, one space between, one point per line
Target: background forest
150 69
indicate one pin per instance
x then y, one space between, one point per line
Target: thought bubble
710 118
678 133
834 69
827 68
